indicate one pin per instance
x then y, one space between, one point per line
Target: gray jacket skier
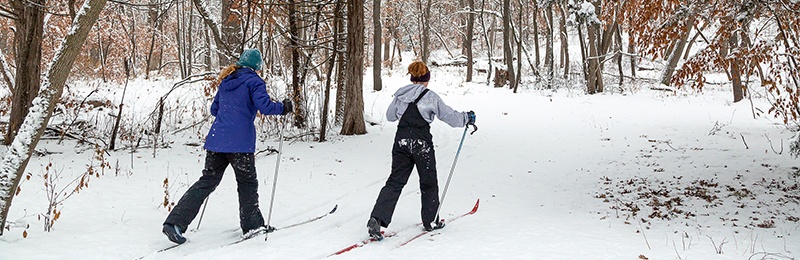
415 107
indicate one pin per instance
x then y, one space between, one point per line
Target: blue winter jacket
240 95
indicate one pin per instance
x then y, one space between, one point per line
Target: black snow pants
243 165
413 146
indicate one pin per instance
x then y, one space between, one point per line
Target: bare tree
675 55
564 42
426 32
232 34
354 106
341 69
468 37
548 56
334 53
28 39
376 47
507 48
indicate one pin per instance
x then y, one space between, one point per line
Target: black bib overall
413 146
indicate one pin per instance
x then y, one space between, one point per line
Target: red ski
474 209
394 233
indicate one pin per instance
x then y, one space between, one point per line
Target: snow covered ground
559 175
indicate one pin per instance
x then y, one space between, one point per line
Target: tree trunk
294 46
618 50
536 34
113 141
6 71
327 95
591 61
632 51
692 41
231 31
225 51
354 106
736 75
548 56
468 38
488 44
16 158
387 45
675 55
584 61
426 32
509 56
28 40
341 67
376 47
564 41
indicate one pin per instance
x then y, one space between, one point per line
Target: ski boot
173 233
437 225
374 229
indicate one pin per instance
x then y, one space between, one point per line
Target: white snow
537 163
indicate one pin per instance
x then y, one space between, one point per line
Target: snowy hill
560 175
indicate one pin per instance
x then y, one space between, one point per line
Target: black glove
287 106
471 116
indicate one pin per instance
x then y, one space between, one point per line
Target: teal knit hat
250 58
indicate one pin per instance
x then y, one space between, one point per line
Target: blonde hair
225 73
417 69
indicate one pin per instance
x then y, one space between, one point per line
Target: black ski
263 231
251 235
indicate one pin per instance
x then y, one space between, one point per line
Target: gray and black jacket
429 106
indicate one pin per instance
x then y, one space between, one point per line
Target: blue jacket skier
415 106
231 141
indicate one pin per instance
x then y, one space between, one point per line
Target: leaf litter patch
760 203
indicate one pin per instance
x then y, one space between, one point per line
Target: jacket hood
235 79
409 93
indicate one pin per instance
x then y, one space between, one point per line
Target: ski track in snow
537 163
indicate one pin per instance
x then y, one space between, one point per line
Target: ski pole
202 213
452 168
275 179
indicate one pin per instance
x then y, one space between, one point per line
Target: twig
745 142
773 148
676 249
771 255
670 146
76 116
193 125
645 236
717 249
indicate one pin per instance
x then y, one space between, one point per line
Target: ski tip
474 209
334 209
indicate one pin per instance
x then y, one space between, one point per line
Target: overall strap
421 95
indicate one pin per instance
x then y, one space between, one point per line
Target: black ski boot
173 233
429 228
258 231
374 229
